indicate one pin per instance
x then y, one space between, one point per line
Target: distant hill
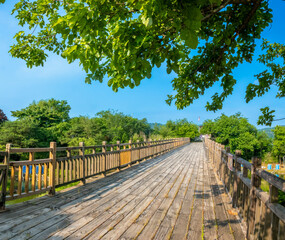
153 124
268 131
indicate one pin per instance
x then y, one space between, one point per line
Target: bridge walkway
175 196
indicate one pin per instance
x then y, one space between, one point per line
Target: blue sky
60 80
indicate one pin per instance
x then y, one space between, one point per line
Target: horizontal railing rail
65 165
263 215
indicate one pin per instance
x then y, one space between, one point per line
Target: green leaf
190 38
147 21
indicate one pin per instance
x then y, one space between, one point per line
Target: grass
264 185
40 195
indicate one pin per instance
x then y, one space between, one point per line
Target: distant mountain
153 124
268 131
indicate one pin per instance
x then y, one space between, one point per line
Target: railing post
223 174
82 167
227 172
139 151
219 160
68 154
131 153
104 156
244 204
5 177
255 183
52 156
31 159
273 198
212 152
148 148
237 168
111 158
119 158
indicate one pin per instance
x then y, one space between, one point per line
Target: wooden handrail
253 203
272 179
34 176
29 150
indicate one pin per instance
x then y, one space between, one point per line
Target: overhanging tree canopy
124 40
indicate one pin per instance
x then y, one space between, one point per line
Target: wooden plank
33 178
223 230
57 171
45 175
23 195
281 230
262 220
151 228
121 205
130 175
104 200
167 226
28 163
62 170
27 179
40 177
257 219
52 222
29 150
137 217
272 179
267 224
196 220
209 212
12 183
153 194
245 163
19 192
181 228
120 228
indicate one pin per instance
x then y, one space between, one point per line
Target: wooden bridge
176 195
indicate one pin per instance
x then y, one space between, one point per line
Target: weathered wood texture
65 165
174 196
263 216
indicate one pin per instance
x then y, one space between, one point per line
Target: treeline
48 120
178 128
236 132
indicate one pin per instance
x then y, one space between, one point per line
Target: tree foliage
279 141
124 40
236 132
24 133
178 128
48 120
107 126
3 117
45 113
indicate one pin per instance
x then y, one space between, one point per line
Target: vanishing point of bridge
174 196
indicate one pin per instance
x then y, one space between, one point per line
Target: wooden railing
264 217
3 179
65 165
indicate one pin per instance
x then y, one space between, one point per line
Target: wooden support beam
52 165
237 184
82 162
104 157
255 183
119 156
5 172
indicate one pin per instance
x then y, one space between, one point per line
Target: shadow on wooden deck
170 197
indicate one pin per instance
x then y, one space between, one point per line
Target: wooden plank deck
175 196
